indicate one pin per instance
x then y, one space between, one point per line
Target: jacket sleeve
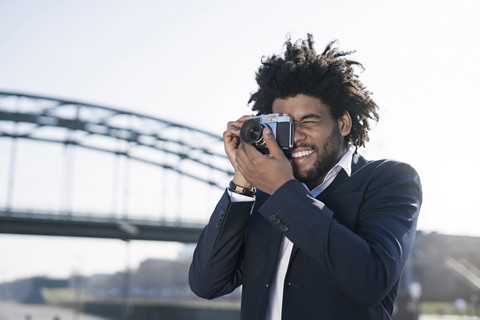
364 260
216 266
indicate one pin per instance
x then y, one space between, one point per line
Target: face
318 140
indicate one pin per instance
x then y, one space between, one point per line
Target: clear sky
193 62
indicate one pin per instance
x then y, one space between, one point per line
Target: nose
299 135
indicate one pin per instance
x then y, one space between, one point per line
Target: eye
308 123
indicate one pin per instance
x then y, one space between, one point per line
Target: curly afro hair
329 77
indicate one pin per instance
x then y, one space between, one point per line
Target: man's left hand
266 172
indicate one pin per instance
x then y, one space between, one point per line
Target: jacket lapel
339 179
357 162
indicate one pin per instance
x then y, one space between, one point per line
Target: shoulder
391 177
386 174
386 167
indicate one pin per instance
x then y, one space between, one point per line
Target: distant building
30 290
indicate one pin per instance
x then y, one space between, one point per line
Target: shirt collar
344 163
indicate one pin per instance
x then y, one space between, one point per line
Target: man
327 233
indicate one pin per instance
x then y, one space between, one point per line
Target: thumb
272 144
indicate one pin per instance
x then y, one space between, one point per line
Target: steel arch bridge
192 162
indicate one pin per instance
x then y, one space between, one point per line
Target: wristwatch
241 190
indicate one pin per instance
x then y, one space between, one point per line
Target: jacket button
272 217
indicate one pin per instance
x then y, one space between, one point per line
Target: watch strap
241 190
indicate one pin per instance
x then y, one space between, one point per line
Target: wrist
240 181
241 190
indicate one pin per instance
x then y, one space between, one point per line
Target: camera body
282 127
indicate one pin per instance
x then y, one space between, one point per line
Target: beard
326 160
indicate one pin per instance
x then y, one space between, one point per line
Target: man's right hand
231 141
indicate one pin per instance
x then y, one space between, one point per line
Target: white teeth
301 154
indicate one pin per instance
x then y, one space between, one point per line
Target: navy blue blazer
351 244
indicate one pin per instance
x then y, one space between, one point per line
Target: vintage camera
282 127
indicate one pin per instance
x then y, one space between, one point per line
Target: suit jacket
350 245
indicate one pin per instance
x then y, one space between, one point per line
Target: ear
345 124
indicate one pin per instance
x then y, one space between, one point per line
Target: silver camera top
273 117
281 125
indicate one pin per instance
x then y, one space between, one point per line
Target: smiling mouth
301 154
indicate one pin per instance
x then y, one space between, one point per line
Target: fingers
247 152
266 172
235 126
272 144
231 136
250 153
245 159
231 139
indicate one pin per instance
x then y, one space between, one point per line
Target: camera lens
251 131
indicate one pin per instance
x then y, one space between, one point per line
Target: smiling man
318 232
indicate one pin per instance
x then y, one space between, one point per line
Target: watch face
239 189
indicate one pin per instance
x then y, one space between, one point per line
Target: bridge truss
189 153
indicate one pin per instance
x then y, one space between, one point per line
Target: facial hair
326 160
